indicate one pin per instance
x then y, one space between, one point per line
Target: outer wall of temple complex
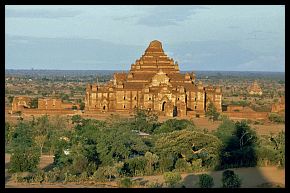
154 82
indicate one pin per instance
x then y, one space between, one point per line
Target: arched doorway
104 107
163 106
174 111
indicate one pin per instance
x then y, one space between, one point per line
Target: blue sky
230 38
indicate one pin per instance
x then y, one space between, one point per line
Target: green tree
189 145
151 160
144 120
276 118
166 163
135 166
231 180
182 165
24 160
212 112
34 103
82 106
172 178
205 181
40 140
174 125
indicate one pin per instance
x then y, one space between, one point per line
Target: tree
172 178
24 160
144 120
10 99
34 103
82 106
39 140
174 125
182 165
166 163
205 181
151 160
212 112
276 118
189 145
231 180
135 166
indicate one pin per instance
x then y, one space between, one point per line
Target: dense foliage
87 149
205 181
231 180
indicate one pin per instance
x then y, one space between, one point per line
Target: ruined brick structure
54 104
154 82
49 103
20 102
279 106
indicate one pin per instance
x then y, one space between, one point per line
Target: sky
215 38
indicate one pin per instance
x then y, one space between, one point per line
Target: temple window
124 106
135 98
124 98
195 107
149 98
177 98
195 99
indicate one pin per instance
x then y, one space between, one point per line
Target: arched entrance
104 107
163 106
174 111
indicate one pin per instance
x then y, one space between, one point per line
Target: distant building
279 106
49 103
255 89
54 104
20 102
153 83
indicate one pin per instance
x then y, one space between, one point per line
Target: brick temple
155 83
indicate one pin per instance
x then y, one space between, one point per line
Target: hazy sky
231 38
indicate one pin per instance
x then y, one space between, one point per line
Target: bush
182 165
172 178
99 175
276 118
231 180
154 185
126 183
39 176
205 181
50 177
196 165
23 160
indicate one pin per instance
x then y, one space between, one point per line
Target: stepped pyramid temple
155 83
255 89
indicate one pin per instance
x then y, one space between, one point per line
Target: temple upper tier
154 59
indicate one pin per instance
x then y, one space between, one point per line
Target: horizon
129 70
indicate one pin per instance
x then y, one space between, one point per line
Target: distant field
199 122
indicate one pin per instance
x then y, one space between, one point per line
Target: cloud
41 13
168 15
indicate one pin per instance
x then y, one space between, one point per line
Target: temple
255 89
155 83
